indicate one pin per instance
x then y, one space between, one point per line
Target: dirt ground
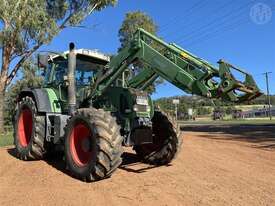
218 165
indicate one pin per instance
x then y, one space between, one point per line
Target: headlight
135 108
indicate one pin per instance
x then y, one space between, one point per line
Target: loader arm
177 66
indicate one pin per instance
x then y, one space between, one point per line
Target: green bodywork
179 67
125 97
54 100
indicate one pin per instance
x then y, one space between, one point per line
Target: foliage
203 111
29 80
229 110
133 21
27 25
264 100
202 106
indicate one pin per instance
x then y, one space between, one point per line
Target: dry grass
6 139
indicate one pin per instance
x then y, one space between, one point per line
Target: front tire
29 131
166 142
93 144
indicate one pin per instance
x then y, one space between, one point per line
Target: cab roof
86 54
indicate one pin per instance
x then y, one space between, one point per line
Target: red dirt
213 168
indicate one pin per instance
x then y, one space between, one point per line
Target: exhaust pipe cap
71 46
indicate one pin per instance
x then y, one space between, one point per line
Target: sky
241 32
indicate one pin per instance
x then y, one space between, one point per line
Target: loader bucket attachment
234 90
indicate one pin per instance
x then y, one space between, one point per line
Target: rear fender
43 98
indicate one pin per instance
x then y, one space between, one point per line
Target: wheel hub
80 144
24 129
86 144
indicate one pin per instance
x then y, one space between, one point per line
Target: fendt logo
260 13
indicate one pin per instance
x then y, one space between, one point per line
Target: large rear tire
29 131
93 144
166 142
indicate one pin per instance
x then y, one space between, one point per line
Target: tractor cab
88 63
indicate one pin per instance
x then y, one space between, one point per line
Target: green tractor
91 105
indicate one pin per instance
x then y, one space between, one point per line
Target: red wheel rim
25 125
80 144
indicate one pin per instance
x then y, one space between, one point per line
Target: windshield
84 73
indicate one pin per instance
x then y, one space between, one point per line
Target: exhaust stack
71 79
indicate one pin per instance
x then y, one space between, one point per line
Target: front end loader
91 105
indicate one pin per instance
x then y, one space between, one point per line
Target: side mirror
42 60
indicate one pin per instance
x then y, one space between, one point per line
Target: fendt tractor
91 105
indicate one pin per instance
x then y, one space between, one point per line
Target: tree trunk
3 80
3 83
2 102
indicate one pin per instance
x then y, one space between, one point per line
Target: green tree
229 110
29 79
27 25
203 110
133 21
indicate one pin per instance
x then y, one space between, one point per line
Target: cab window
58 69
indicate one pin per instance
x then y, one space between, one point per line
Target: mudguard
45 98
